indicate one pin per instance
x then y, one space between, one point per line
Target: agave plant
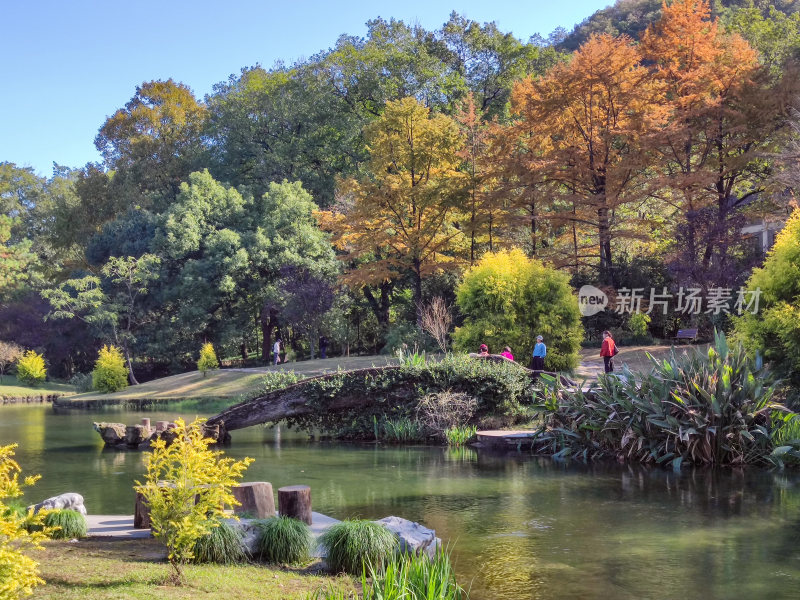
703 408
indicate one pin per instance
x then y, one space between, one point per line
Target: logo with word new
591 300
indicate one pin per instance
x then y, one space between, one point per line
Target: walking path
121 526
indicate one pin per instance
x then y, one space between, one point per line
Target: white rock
68 501
413 537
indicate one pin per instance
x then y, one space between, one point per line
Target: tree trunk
295 501
269 322
255 499
131 376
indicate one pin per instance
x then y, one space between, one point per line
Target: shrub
638 324
19 573
459 435
499 389
775 330
110 373
65 524
83 382
208 359
283 540
445 410
703 408
401 430
278 379
187 486
509 299
31 369
9 354
355 544
222 545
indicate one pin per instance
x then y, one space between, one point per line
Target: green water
520 527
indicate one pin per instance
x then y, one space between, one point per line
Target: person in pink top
507 353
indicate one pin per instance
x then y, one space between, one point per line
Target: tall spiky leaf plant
713 407
188 487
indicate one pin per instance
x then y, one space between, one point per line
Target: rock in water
68 501
113 434
413 537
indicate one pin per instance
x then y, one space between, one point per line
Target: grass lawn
11 387
635 357
226 383
98 569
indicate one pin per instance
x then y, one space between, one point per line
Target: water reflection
520 527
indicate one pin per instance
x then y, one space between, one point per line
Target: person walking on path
276 352
484 351
539 352
507 353
608 351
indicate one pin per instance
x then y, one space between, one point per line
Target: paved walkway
121 526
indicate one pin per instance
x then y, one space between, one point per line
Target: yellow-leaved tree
208 359
398 220
19 573
187 487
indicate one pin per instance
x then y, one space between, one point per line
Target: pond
520 527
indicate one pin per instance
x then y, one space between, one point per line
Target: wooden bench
686 334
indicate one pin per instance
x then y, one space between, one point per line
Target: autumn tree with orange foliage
483 204
579 131
723 117
398 219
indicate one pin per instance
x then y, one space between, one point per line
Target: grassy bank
223 383
11 387
98 569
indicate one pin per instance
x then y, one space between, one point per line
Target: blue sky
69 64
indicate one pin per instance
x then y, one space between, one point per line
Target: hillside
631 17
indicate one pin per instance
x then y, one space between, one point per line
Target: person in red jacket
607 351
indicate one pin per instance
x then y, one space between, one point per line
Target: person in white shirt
276 352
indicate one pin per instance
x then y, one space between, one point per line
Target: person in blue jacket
539 352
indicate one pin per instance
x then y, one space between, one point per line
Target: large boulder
68 501
113 434
412 537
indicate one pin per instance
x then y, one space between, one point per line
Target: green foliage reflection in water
714 408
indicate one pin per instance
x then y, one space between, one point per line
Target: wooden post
255 498
146 423
295 501
141 513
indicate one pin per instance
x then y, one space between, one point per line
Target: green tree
188 487
774 330
154 142
226 256
509 299
117 314
110 373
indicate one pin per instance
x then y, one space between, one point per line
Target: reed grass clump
405 577
283 540
65 524
352 544
458 435
223 545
